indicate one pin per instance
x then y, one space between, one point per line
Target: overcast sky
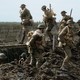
9 9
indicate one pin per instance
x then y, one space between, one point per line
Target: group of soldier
41 40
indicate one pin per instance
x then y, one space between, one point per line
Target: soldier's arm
21 15
31 41
59 30
30 44
28 14
63 31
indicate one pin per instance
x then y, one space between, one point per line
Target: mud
18 69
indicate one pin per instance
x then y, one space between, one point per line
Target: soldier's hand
54 14
58 39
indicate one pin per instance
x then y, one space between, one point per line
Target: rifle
71 12
50 7
51 10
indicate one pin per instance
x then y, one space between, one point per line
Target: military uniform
66 38
63 23
26 18
65 17
36 47
49 21
25 15
61 26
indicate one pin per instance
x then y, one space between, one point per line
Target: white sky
9 9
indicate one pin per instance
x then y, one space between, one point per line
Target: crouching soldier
36 46
66 38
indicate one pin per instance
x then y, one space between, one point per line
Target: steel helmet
43 7
63 12
41 26
22 5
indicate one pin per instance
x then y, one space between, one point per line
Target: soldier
66 38
65 17
36 44
63 23
26 20
48 19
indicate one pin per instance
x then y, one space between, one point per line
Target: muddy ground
49 70
14 69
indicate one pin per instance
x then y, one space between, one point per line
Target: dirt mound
49 70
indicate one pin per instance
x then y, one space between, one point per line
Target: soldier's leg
48 30
32 59
39 60
53 46
68 55
23 35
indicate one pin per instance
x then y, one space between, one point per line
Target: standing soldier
48 19
64 20
66 38
63 23
36 44
26 20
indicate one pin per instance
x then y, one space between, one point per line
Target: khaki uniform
61 27
36 48
26 18
63 22
48 14
66 18
49 21
66 38
25 15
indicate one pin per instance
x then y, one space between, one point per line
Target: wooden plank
13 46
